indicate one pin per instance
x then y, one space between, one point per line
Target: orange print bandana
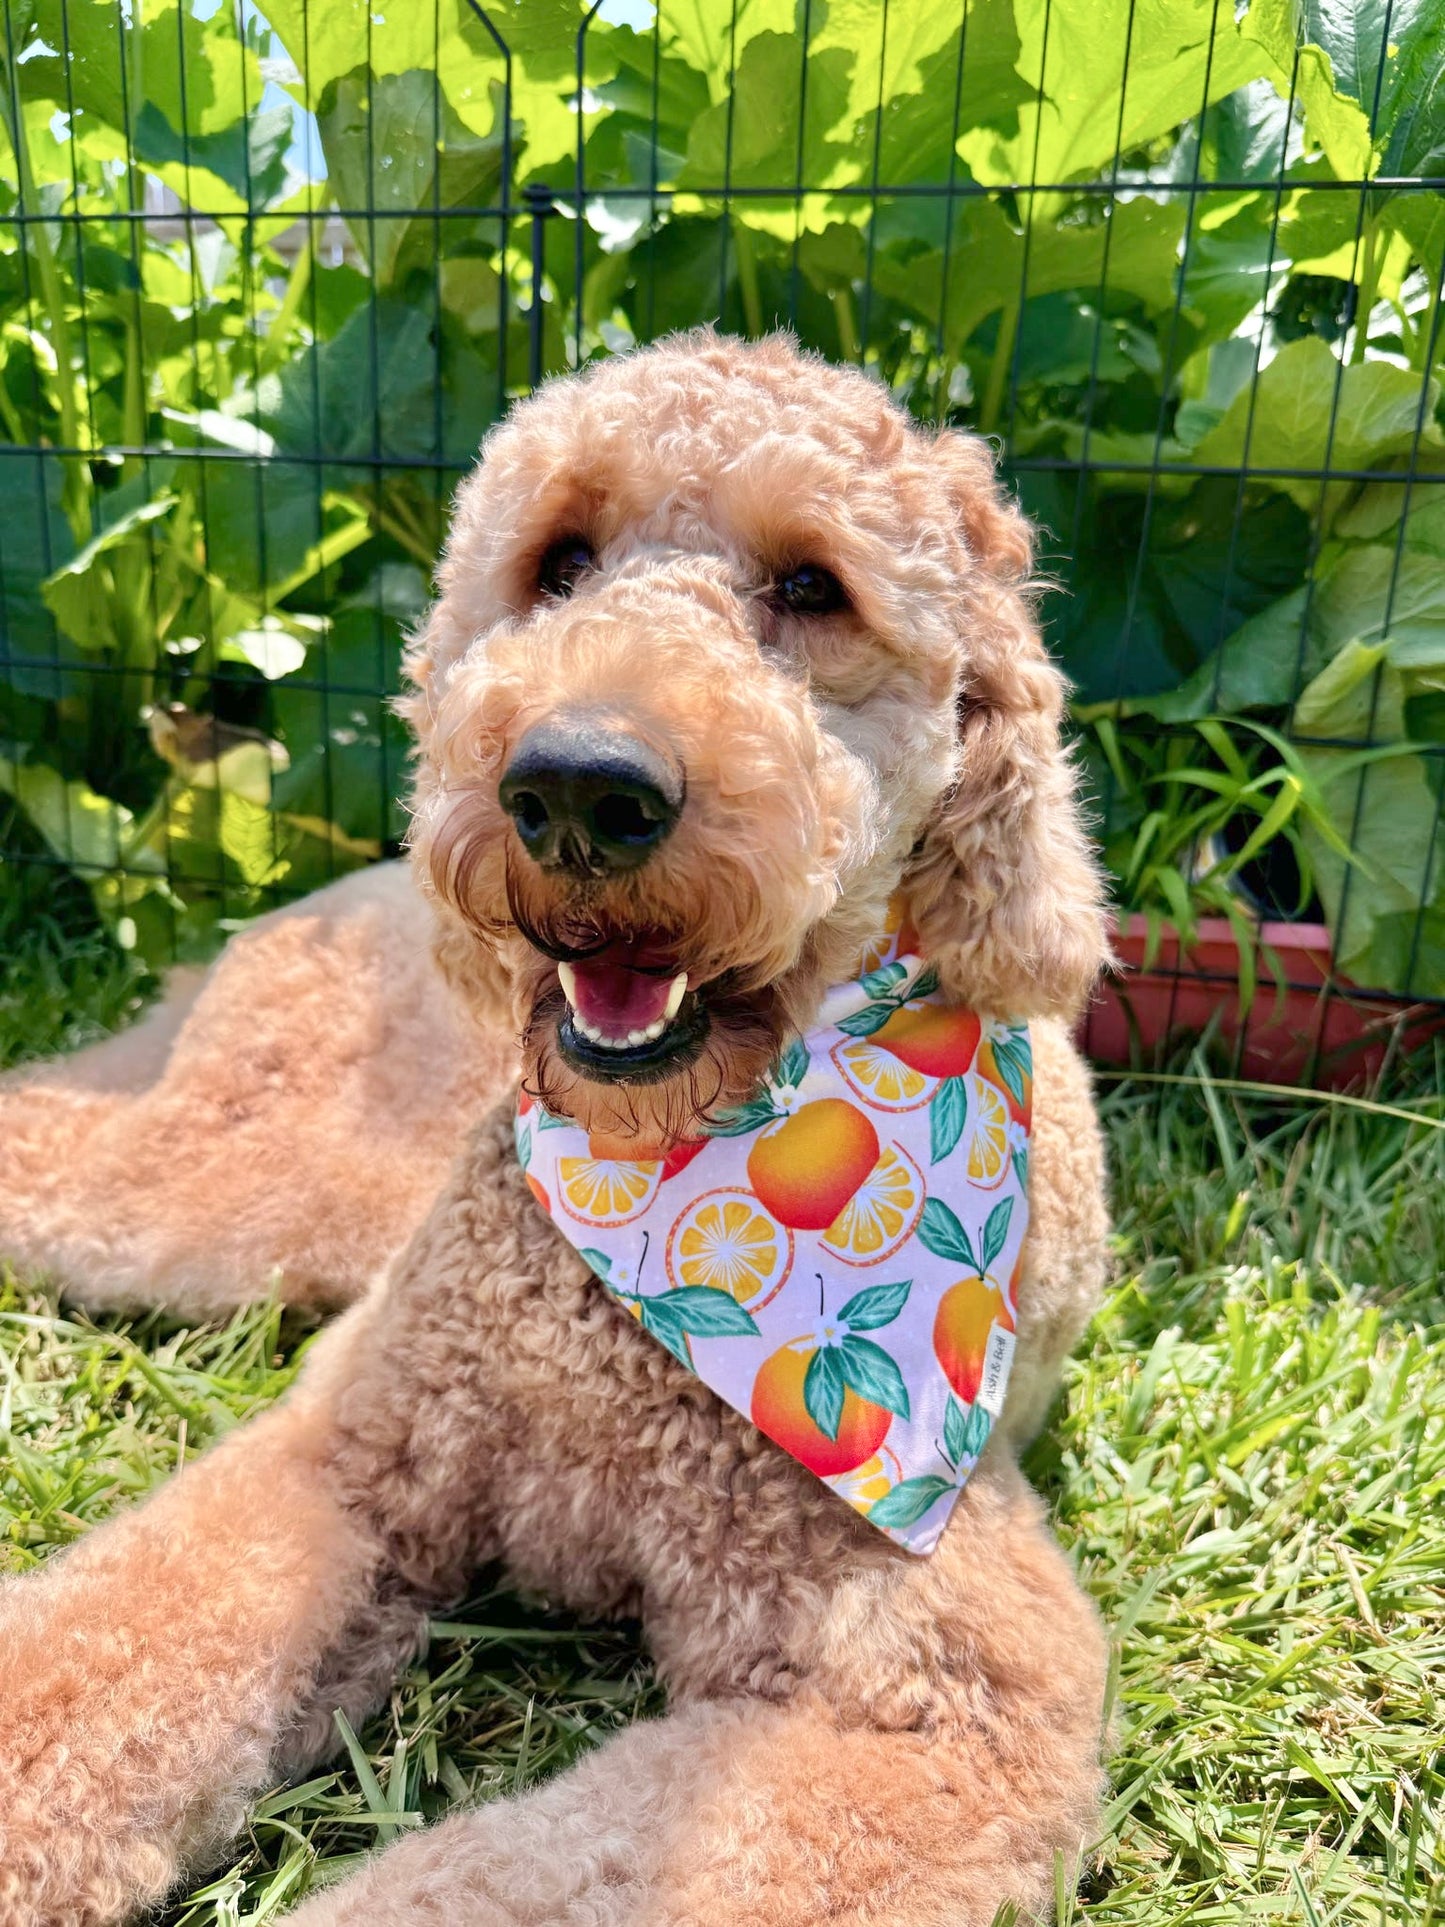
839 1258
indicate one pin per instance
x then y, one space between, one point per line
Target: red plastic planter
1319 1027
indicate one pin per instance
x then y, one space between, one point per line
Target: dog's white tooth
587 1030
636 1037
676 992
654 1030
567 977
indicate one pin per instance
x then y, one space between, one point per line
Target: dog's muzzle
589 800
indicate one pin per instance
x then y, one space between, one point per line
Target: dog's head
726 653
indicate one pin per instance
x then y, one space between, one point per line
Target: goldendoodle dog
733 695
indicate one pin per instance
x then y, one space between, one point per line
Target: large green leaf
1323 34
394 146
1387 810
181 94
35 540
1414 119
84 595
713 35
249 155
347 748
918 76
654 101
328 42
192 68
751 138
1134 624
1306 411
1128 251
371 389
1361 596
1180 55
1371 76
88 832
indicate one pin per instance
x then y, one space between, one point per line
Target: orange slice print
883 1081
881 1213
886 945
988 1144
606 1191
868 1482
726 1241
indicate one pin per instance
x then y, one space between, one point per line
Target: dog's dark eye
564 564
810 591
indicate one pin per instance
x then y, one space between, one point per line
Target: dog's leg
157 1674
282 1124
153 1676
811 1811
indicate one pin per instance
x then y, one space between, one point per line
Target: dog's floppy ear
475 971
1003 888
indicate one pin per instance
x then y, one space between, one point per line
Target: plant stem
998 371
1369 284
748 278
842 300
394 522
277 342
12 112
9 414
1420 352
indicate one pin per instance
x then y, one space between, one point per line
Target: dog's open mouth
629 1014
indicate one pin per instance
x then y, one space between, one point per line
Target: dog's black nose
589 798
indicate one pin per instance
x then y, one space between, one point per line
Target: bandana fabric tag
839 1259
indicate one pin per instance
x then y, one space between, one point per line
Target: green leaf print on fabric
995 1232
940 1232
965 1432
1015 1060
906 1504
878 1305
873 1374
700 1310
947 1115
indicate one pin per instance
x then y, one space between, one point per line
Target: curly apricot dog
793 634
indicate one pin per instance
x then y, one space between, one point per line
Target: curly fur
855 1735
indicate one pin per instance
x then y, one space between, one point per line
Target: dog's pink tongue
617 1000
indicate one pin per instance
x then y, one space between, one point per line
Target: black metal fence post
539 199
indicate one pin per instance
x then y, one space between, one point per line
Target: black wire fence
267 278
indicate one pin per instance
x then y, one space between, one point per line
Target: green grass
1248 1466
63 982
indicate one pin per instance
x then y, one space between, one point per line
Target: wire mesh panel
267 278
